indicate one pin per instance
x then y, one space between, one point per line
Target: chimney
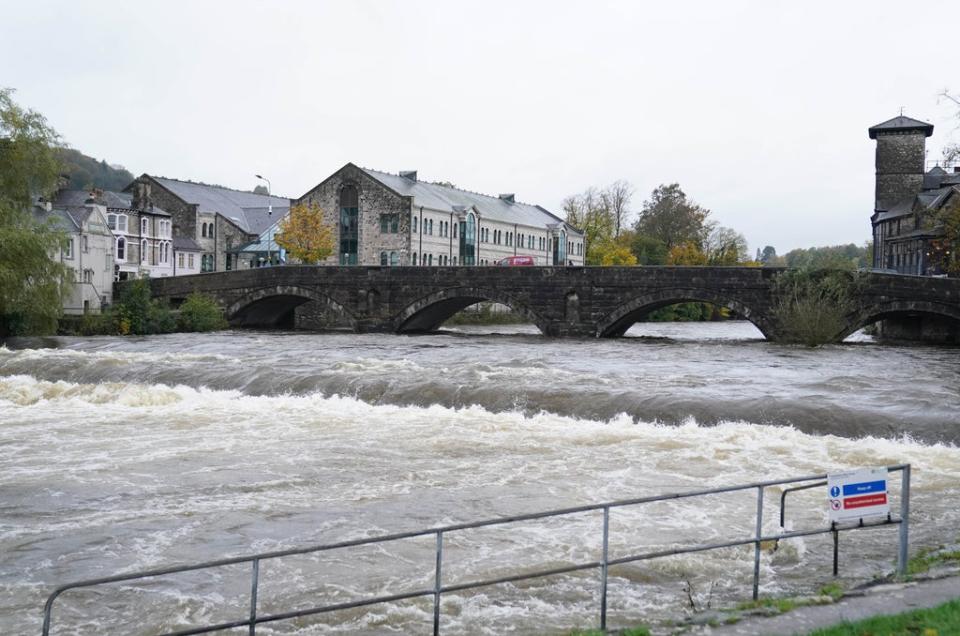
409 174
509 198
141 197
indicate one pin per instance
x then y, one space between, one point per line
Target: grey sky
758 109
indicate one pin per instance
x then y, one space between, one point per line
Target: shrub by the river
812 305
200 313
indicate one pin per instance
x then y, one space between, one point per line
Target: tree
588 211
647 249
304 234
616 199
688 254
768 256
673 219
944 255
952 151
32 284
724 246
260 189
615 252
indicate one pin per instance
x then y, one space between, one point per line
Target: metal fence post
756 546
902 554
437 585
254 584
603 568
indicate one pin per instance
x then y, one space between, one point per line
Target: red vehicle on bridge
517 261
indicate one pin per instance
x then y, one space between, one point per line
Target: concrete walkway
878 600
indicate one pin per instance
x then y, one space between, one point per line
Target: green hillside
86 172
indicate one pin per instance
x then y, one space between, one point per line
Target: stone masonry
561 301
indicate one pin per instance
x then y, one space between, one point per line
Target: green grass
938 621
780 604
926 559
833 590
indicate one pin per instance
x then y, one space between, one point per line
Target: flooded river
118 454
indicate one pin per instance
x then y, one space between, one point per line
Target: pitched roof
58 217
185 244
901 124
448 199
108 198
246 210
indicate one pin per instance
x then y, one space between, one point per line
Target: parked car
516 261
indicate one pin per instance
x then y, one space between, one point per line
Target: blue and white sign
858 494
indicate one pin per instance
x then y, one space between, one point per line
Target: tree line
669 229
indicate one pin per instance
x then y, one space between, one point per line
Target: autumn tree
32 284
725 246
669 216
304 234
616 199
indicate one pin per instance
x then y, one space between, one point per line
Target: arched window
203 230
143 251
394 259
349 225
430 257
430 231
144 226
121 248
414 261
414 225
383 259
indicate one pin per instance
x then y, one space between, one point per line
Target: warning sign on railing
858 494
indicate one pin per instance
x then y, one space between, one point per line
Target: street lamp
269 211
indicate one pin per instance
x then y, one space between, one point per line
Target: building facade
395 219
88 250
220 221
907 198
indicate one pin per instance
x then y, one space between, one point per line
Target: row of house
160 227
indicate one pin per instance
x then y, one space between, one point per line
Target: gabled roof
246 210
901 124
107 198
185 244
57 217
444 198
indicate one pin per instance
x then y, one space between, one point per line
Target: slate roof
446 199
901 124
57 216
246 210
185 244
110 199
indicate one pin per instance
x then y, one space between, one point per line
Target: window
468 239
144 226
143 251
389 223
112 221
68 250
414 225
394 259
190 261
414 261
430 256
88 275
349 225
206 263
180 259
84 244
383 259
454 258
455 226
203 230
121 248
430 232
122 222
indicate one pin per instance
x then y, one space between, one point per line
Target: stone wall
899 162
375 200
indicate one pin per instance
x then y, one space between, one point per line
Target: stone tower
901 145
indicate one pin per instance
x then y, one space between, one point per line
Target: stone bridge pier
560 301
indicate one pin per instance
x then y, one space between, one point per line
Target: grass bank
936 621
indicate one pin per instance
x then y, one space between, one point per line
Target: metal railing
253 618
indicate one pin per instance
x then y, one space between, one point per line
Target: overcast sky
758 109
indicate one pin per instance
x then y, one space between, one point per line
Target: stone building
396 219
219 220
907 197
88 251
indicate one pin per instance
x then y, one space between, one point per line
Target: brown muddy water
118 454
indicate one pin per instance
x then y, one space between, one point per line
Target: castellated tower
901 143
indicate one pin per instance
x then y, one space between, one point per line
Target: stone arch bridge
561 301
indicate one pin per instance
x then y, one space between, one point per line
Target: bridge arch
617 322
271 306
431 311
898 308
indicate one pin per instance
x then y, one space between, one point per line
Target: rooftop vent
509 198
409 174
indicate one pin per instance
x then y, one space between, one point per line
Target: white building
89 252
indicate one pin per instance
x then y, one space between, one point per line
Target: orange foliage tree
304 234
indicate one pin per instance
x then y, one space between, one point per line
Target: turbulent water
119 454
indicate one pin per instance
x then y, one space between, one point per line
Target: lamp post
269 213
